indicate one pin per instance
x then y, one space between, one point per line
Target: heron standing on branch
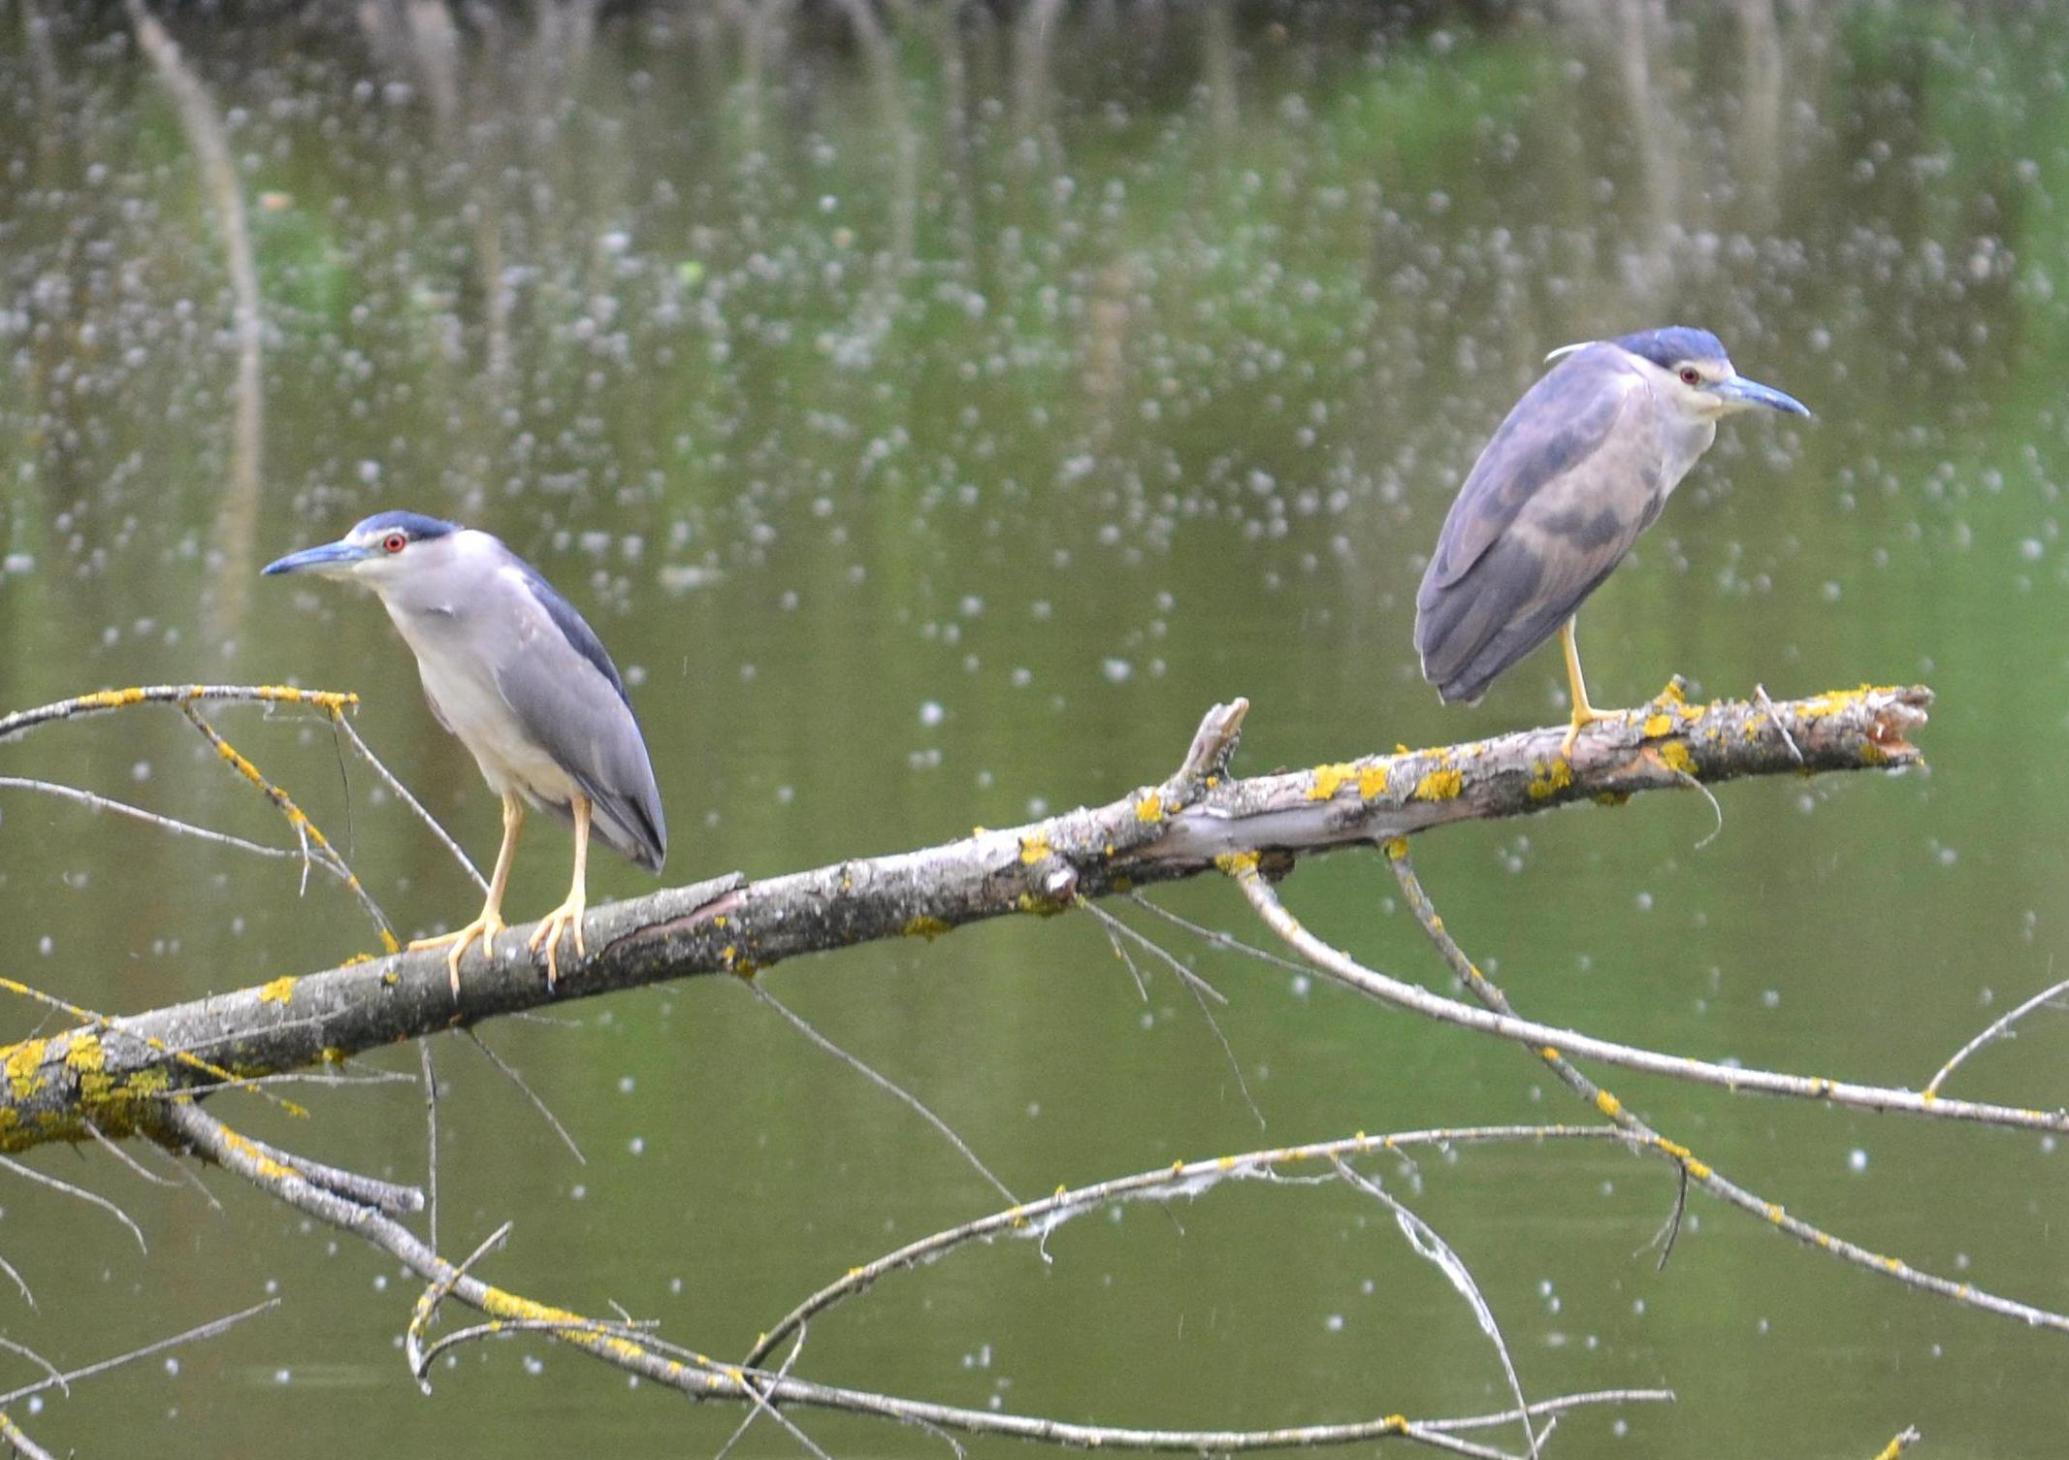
1581 466
512 669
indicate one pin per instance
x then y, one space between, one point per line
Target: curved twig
1040 1218
1644 1136
639 1353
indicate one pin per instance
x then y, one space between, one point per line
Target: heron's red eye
1689 376
394 542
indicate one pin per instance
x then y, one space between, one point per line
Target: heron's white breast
461 685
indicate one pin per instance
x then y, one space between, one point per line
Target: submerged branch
117 1074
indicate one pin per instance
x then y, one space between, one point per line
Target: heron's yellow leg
491 921
568 916
1584 714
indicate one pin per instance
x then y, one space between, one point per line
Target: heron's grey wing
1555 501
1561 421
566 692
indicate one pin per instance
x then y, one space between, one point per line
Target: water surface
935 417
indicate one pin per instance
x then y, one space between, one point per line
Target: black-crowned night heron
1583 464
512 669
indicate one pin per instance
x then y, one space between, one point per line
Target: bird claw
565 918
483 928
1582 719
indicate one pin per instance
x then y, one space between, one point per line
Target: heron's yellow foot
484 928
565 918
1583 716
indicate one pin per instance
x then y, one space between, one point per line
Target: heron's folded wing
1558 426
569 697
1555 501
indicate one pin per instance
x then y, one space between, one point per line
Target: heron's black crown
1668 347
414 525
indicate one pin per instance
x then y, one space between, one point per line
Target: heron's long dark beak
1743 392
332 555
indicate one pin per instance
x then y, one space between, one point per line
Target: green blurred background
935 408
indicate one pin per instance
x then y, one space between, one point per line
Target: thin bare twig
1387 989
1760 698
91 1198
1343 967
882 1082
1215 937
510 1073
427 1307
173 824
640 1354
1193 983
10 1346
402 793
1040 1218
2000 1028
1430 1245
101 1366
430 1142
747 1420
114 1148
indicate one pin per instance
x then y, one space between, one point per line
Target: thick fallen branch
115 1074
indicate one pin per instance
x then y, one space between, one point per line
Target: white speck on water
1771 999
931 713
1857 1159
1334 1323
626 1084
637 1145
1117 671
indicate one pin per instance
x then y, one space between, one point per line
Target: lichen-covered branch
637 1350
115 1073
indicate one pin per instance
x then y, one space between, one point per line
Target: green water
934 420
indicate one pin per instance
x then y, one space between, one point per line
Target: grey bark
116 1074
